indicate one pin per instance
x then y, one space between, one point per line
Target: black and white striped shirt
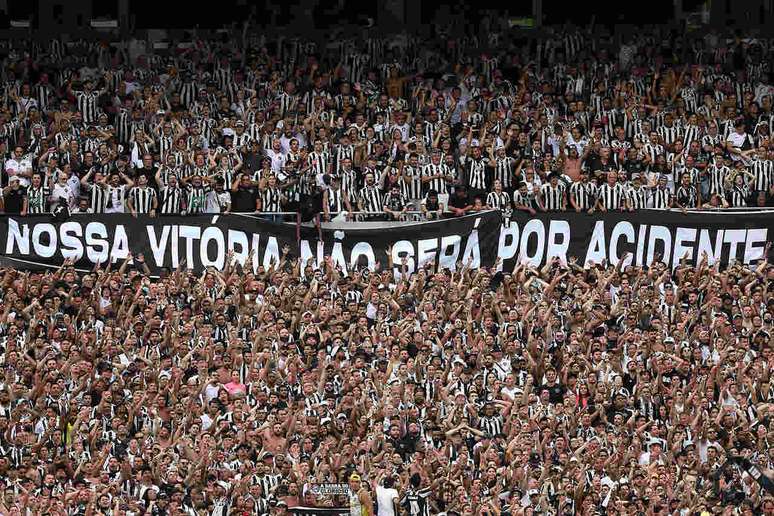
87 105
196 201
286 103
476 173
498 200
437 184
37 199
416 501
661 198
267 482
762 170
687 196
349 182
319 162
737 196
116 199
142 198
335 200
491 425
711 140
187 93
171 200
503 171
527 200
584 195
371 199
612 197
639 198
343 152
412 182
43 94
552 196
97 199
690 134
124 125
717 177
271 200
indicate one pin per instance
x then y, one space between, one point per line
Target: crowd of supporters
388 125
556 390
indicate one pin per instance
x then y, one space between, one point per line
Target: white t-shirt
14 167
278 160
62 192
384 498
737 140
206 421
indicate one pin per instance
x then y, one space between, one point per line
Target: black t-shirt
459 201
243 200
555 392
252 162
14 200
402 446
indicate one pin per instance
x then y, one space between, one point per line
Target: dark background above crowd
323 14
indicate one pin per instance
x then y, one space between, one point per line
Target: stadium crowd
389 126
558 390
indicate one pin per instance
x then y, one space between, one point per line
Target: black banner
671 235
478 239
